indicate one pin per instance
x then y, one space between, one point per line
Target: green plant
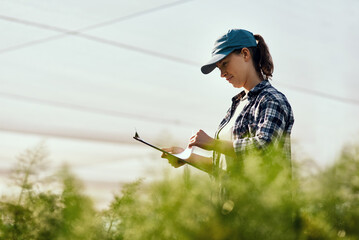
35 214
261 199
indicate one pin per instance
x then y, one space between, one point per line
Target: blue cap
233 40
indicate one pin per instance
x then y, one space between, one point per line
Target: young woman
260 115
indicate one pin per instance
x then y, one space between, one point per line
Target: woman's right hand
171 160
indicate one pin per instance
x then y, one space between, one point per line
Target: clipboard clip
136 135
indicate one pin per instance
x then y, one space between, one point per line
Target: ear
246 54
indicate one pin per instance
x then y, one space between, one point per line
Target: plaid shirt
267 118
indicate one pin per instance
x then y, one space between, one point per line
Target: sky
81 76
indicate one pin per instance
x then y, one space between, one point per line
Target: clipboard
182 157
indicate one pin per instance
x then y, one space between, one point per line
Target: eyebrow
219 64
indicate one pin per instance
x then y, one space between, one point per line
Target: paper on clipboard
183 156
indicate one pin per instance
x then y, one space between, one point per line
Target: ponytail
262 59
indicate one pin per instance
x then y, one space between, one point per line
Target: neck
252 81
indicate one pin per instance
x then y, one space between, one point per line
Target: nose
223 73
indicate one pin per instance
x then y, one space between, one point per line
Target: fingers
165 155
202 140
168 149
192 143
198 133
173 150
193 139
196 139
175 163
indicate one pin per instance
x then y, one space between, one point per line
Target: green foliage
45 215
255 203
260 200
331 205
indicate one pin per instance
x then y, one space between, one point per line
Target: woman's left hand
202 140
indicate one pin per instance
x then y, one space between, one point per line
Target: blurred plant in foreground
262 199
254 202
331 199
36 214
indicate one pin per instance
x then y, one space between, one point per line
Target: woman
260 115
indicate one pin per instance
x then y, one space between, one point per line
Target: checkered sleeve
270 123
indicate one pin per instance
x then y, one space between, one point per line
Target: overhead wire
322 94
96 25
66 32
78 33
106 112
70 134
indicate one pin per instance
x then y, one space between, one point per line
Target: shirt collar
258 88
239 96
254 91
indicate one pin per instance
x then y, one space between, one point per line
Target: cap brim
211 65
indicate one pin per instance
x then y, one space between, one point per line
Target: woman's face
234 68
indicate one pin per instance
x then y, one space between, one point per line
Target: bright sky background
136 64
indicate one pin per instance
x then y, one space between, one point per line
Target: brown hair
262 59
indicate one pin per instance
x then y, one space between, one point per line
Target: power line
66 32
71 134
321 94
97 25
134 15
111 113
140 50
78 33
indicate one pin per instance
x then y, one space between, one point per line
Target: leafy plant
262 199
34 214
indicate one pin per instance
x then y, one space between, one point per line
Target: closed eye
221 65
